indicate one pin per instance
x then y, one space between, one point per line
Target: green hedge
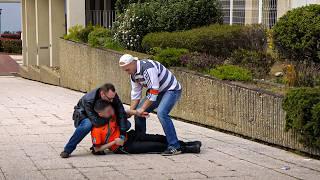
217 40
95 36
169 56
140 19
297 34
11 45
302 108
232 73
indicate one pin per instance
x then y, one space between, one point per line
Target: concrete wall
205 100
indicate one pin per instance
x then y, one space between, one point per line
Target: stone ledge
43 74
24 72
34 73
49 76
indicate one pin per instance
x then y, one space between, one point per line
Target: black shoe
97 152
194 143
64 154
195 148
170 151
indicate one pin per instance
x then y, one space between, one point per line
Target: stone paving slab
35 123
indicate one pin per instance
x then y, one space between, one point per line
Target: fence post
231 12
260 12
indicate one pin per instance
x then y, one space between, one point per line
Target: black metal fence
104 18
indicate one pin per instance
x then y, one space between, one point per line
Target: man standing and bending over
84 116
163 91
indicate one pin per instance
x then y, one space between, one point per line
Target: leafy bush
257 61
217 40
308 74
200 61
302 108
136 22
170 56
296 34
112 44
140 19
96 38
121 5
11 45
73 33
78 33
84 33
187 14
231 72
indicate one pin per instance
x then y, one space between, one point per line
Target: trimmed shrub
176 15
302 108
258 62
231 72
296 34
200 61
11 45
140 19
96 38
217 40
170 56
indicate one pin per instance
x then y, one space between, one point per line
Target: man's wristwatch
122 137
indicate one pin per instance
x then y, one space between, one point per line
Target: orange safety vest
106 134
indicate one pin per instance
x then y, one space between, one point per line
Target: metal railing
104 18
251 11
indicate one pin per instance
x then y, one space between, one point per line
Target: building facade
264 12
45 21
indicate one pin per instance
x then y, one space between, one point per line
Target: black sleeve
92 115
121 114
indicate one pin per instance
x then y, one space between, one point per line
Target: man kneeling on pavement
85 117
108 136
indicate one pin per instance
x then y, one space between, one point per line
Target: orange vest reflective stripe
106 134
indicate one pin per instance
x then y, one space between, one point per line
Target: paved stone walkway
8 64
35 123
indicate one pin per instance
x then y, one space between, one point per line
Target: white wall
299 3
76 13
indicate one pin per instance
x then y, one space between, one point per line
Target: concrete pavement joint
85 177
3 174
241 159
34 164
263 154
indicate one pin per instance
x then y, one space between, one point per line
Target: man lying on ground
109 137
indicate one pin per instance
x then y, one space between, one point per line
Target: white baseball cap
126 59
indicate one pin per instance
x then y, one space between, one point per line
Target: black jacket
85 109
